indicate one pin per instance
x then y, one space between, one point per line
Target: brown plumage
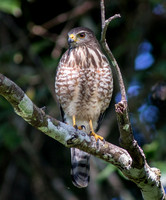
83 88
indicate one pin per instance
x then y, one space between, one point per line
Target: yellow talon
97 137
74 124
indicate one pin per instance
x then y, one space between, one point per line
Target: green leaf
11 6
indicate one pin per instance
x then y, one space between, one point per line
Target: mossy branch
130 159
127 140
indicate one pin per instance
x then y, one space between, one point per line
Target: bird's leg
97 137
74 123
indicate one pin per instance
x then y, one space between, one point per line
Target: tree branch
105 24
126 135
63 133
130 159
70 137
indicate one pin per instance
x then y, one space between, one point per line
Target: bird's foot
97 137
79 127
75 126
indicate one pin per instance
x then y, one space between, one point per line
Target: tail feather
80 168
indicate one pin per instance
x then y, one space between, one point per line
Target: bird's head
80 36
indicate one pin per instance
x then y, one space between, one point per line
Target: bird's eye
82 35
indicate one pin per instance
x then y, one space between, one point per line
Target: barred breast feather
83 87
84 83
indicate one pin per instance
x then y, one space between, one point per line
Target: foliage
32 166
11 6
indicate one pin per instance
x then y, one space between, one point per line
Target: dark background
32 40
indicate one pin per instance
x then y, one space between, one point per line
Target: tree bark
146 178
129 158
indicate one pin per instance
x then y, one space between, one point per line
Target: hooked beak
72 40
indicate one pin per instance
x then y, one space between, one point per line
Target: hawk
83 87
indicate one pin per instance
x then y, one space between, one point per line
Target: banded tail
80 168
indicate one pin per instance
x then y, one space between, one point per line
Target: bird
83 87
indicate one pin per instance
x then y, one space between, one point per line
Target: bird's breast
84 84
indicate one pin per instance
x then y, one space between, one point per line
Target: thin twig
126 136
102 13
105 24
